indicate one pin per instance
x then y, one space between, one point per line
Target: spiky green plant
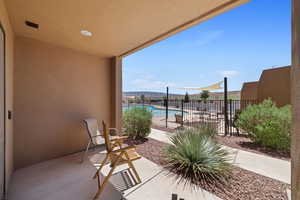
196 158
209 129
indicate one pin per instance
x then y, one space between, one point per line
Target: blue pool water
157 112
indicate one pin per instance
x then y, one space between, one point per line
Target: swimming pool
157 112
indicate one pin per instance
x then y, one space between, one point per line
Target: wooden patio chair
116 157
179 119
96 137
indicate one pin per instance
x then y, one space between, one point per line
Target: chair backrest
106 138
93 130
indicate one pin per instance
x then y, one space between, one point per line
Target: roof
251 84
118 27
271 72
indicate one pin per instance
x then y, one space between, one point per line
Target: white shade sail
215 86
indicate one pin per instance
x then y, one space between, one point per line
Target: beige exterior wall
9 87
275 84
249 91
296 101
55 89
117 92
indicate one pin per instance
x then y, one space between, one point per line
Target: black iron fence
176 113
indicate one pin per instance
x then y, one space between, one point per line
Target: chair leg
133 168
101 166
100 189
86 150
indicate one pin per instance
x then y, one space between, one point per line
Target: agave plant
196 158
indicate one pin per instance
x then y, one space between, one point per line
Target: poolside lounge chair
179 119
116 157
222 113
95 135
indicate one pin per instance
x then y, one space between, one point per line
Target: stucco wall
9 87
275 84
55 89
249 91
117 92
295 102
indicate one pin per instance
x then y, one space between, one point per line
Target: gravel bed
244 143
243 184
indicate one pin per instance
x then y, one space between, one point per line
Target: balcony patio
55 77
68 178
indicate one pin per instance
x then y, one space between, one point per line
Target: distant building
126 99
249 91
274 83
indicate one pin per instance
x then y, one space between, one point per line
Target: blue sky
238 44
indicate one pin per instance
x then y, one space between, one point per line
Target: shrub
204 95
186 98
267 125
196 158
137 122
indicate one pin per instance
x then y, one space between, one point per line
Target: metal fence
176 113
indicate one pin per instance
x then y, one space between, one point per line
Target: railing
195 112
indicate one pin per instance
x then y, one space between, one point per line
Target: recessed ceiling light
86 33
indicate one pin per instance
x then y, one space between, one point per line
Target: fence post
230 118
226 106
167 107
182 111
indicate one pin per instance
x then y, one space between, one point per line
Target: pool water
157 112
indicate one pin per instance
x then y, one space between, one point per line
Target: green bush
196 158
267 125
137 122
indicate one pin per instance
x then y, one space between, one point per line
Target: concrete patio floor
67 178
157 184
62 178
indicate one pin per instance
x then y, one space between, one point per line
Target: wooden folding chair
116 157
96 137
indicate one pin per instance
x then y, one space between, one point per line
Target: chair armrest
123 149
119 138
97 136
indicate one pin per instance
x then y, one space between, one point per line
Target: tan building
249 91
274 83
65 64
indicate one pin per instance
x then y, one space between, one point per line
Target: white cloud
208 37
228 73
150 82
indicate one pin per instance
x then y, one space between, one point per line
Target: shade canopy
215 86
